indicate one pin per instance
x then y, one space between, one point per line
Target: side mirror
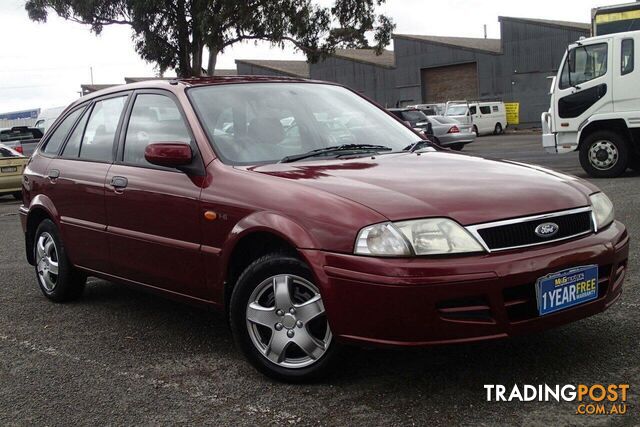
168 154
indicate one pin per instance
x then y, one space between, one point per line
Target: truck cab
595 105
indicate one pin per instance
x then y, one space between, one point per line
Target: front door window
584 63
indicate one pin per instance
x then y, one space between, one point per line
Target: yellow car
12 165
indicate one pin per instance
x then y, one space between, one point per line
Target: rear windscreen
20 134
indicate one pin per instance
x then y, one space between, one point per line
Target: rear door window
485 110
99 135
60 134
154 118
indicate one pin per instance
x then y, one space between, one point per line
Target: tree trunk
213 57
184 57
197 56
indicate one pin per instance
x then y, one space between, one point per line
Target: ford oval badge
547 229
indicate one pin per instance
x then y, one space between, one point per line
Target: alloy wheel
603 155
47 261
286 321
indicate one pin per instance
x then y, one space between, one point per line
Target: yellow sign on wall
513 112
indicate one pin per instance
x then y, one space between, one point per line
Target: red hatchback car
314 218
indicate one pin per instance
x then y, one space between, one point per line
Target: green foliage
174 33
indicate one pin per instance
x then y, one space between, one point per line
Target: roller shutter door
452 82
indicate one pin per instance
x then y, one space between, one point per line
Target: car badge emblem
547 229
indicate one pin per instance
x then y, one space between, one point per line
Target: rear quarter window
59 135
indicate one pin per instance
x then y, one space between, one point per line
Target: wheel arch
258 235
616 125
41 208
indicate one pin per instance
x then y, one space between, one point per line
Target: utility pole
485 32
91 68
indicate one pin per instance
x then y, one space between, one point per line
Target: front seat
266 133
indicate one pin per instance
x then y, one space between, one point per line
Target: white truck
595 105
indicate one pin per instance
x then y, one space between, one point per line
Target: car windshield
254 123
8 152
414 116
19 134
457 110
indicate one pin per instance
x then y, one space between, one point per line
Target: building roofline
585 26
340 54
271 65
456 42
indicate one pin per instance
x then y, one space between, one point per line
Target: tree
173 34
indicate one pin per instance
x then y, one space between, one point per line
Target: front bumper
420 301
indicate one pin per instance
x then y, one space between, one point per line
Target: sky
43 65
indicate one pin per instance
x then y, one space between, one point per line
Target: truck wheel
604 154
475 129
498 129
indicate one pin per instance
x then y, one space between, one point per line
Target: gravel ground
120 356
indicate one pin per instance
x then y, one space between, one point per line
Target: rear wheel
604 154
278 320
456 147
58 279
498 129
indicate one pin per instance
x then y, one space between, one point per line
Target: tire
476 131
634 163
17 195
256 287
58 279
456 147
604 154
498 129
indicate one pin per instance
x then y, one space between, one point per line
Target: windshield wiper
418 144
334 149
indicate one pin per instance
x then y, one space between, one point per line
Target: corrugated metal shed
272 67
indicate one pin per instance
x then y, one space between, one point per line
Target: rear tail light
19 149
454 129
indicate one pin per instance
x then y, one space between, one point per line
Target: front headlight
602 210
432 236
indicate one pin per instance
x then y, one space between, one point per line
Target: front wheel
476 131
58 279
604 154
278 320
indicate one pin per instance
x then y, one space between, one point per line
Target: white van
487 117
47 117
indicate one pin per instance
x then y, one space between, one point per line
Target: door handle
119 182
53 174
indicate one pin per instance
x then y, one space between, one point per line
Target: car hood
434 183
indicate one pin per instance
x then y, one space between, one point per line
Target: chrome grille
521 232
